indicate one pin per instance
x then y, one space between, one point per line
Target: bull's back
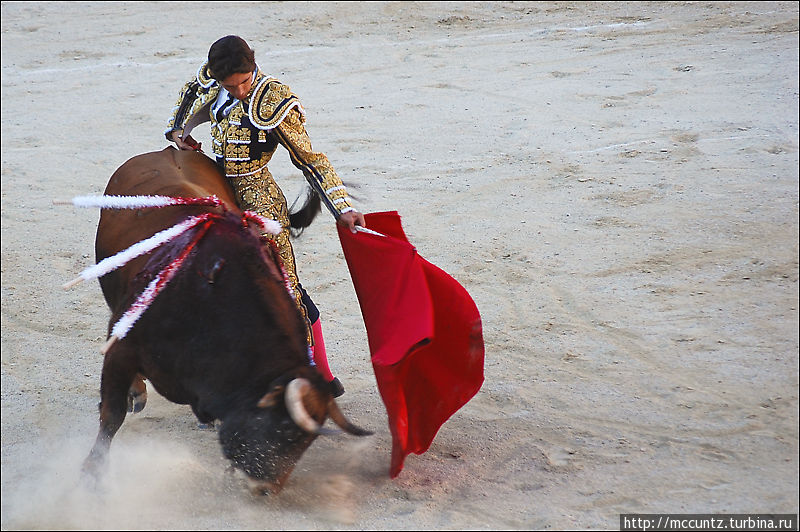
168 172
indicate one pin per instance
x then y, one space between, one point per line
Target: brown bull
224 336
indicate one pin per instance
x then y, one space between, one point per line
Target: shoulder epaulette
203 77
270 102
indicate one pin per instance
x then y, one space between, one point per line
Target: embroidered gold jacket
248 136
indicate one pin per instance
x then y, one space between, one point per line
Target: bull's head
267 439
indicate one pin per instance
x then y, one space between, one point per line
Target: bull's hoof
336 388
137 395
90 472
136 401
93 469
90 481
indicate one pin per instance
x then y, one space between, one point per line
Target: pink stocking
318 351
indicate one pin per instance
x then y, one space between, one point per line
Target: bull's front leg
118 375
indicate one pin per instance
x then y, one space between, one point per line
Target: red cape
424 332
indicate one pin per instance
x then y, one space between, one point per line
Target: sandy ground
615 184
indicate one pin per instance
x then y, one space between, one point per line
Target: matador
251 114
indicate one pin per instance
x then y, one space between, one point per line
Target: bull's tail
302 218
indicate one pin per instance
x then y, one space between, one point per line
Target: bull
224 336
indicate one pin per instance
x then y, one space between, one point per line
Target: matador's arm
196 94
315 165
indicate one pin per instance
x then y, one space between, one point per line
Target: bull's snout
265 444
261 487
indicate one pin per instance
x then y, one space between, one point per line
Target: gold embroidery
270 101
204 76
315 166
194 95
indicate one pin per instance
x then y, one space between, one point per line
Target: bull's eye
214 271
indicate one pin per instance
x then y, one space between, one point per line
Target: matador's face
238 84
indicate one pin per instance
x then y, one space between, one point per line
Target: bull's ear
271 398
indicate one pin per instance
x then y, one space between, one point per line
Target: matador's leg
260 194
321 359
308 309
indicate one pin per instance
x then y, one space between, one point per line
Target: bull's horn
295 391
338 417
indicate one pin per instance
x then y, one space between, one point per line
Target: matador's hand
187 143
351 219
